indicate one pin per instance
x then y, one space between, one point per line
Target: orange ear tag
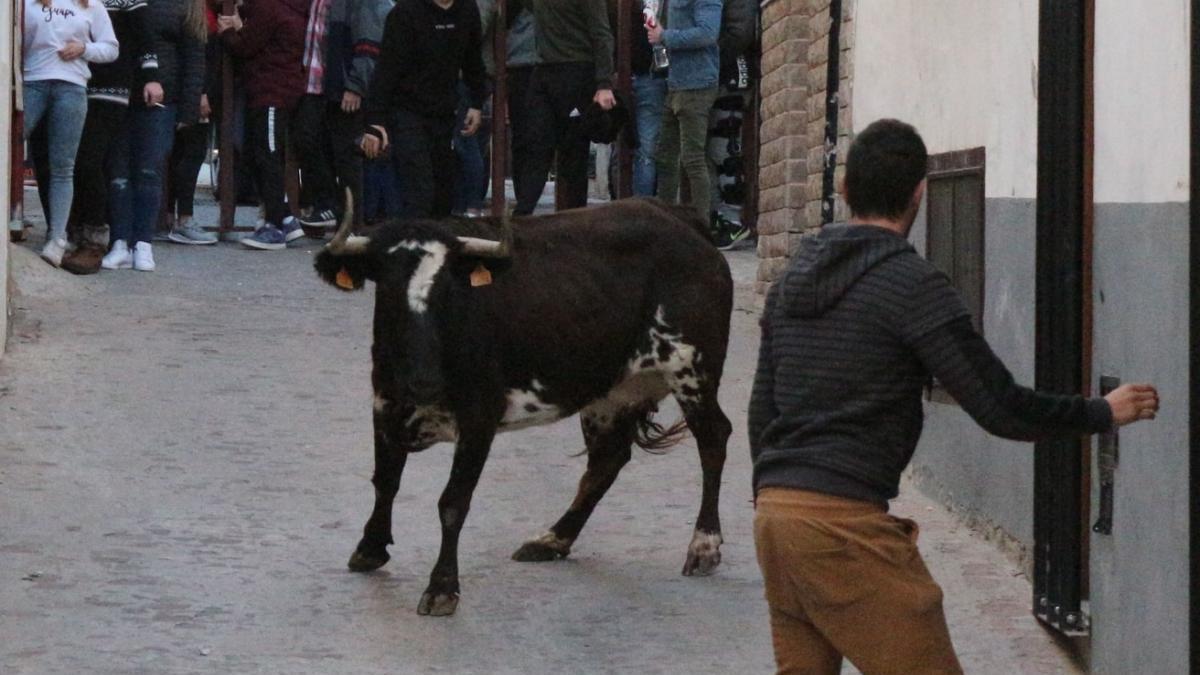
344 280
481 276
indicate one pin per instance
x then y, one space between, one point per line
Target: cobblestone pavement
184 469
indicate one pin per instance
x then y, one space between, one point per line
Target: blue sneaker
266 238
291 228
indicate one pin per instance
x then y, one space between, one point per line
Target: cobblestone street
184 469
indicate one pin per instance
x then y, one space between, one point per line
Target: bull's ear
347 272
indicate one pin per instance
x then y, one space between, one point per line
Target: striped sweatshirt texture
851 335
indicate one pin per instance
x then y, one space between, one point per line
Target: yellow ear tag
481 276
344 280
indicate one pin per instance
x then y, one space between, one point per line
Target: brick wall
795 47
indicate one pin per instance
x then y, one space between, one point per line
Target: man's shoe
119 258
143 257
54 250
266 238
188 232
291 229
85 259
322 218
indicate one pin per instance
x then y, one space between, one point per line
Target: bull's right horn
342 242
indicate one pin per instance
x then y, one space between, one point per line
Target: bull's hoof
545 548
366 562
704 554
437 604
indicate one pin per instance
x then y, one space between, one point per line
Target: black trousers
325 143
266 142
187 156
559 93
90 206
423 155
519 79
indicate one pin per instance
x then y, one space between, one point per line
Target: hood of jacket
827 266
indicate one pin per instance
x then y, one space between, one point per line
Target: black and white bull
602 312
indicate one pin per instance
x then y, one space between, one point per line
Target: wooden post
625 86
225 176
500 131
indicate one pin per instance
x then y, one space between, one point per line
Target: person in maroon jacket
270 42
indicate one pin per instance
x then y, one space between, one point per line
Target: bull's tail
342 262
656 439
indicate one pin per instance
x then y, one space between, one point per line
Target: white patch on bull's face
429 424
355 245
528 408
433 257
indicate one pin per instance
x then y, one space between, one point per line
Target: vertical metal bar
226 165
832 82
500 130
1058 470
1087 317
625 86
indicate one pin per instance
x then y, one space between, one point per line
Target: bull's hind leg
371 552
711 429
609 440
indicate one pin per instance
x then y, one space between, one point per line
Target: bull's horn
482 248
342 242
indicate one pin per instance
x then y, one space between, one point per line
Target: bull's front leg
371 552
441 597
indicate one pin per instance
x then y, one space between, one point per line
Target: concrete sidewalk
184 470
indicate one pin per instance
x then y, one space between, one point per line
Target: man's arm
388 70
937 326
600 34
367 18
705 32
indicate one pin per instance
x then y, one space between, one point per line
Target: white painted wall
1142 101
963 71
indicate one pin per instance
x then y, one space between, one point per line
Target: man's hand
471 124
1133 402
373 146
604 98
351 102
205 108
152 93
655 33
71 51
225 23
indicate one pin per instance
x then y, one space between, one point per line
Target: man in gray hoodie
851 335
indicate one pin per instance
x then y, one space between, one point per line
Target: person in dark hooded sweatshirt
851 334
413 100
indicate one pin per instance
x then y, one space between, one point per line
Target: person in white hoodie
60 39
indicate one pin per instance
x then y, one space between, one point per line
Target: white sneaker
54 250
143 257
119 258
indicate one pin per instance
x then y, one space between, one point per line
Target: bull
602 312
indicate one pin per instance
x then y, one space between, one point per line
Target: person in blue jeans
60 39
690 37
471 181
650 97
171 87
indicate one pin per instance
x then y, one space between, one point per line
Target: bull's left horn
342 242
483 248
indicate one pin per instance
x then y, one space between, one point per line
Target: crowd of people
384 98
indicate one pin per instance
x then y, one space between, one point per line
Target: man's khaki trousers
844 579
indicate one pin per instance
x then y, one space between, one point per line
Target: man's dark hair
885 163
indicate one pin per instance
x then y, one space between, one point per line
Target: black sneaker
323 218
727 233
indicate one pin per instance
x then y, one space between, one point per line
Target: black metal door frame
1059 466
